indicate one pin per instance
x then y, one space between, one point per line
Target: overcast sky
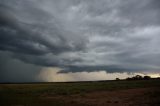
78 36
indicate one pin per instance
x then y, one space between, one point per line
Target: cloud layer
54 75
83 35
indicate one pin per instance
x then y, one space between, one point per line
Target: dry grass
79 94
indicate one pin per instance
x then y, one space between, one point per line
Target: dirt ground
129 97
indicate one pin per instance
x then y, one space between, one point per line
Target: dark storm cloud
13 70
36 36
109 69
83 35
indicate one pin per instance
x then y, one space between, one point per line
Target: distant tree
146 77
158 78
117 79
137 77
128 78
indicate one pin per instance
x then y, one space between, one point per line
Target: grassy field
53 94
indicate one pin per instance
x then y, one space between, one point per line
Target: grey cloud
37 37
82 35
13 70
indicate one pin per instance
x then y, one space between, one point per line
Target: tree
128 78
117 79
138 77
146 77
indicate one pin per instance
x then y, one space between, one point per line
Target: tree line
139 77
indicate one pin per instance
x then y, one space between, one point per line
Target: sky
74 40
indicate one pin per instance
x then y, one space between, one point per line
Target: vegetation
33 94
139 77
117 79
146 77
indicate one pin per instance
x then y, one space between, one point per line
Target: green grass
32 94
